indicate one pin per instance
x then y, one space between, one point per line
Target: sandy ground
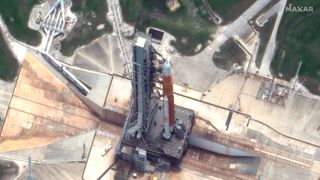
16 144
97 163
44 109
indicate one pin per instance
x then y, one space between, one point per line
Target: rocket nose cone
166 70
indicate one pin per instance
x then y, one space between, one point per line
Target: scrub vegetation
228 10
298 40
8 63
185 23
15 14
90 13
230 53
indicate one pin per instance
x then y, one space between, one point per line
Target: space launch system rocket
168 90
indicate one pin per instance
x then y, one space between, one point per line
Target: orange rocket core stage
168 91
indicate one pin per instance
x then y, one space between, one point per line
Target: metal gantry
114 7
53 23
142 82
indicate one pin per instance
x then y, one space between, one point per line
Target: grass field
299 40
8 63
229 54
16 15
185 24
91 13
228 10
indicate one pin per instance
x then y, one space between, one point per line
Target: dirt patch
230 54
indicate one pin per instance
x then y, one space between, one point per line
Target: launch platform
155 129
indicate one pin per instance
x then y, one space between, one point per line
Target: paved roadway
11 40
271 47
266 15
183 64
207 71
240 25
5 96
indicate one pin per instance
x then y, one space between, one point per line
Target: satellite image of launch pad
159 89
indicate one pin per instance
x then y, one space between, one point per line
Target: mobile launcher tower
155 130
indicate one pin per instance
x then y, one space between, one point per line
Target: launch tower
155 129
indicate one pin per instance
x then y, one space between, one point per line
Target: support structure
53 23
155 128
30 177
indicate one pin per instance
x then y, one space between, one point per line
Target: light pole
30 169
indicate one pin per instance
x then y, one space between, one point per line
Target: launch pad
157 148
155 130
